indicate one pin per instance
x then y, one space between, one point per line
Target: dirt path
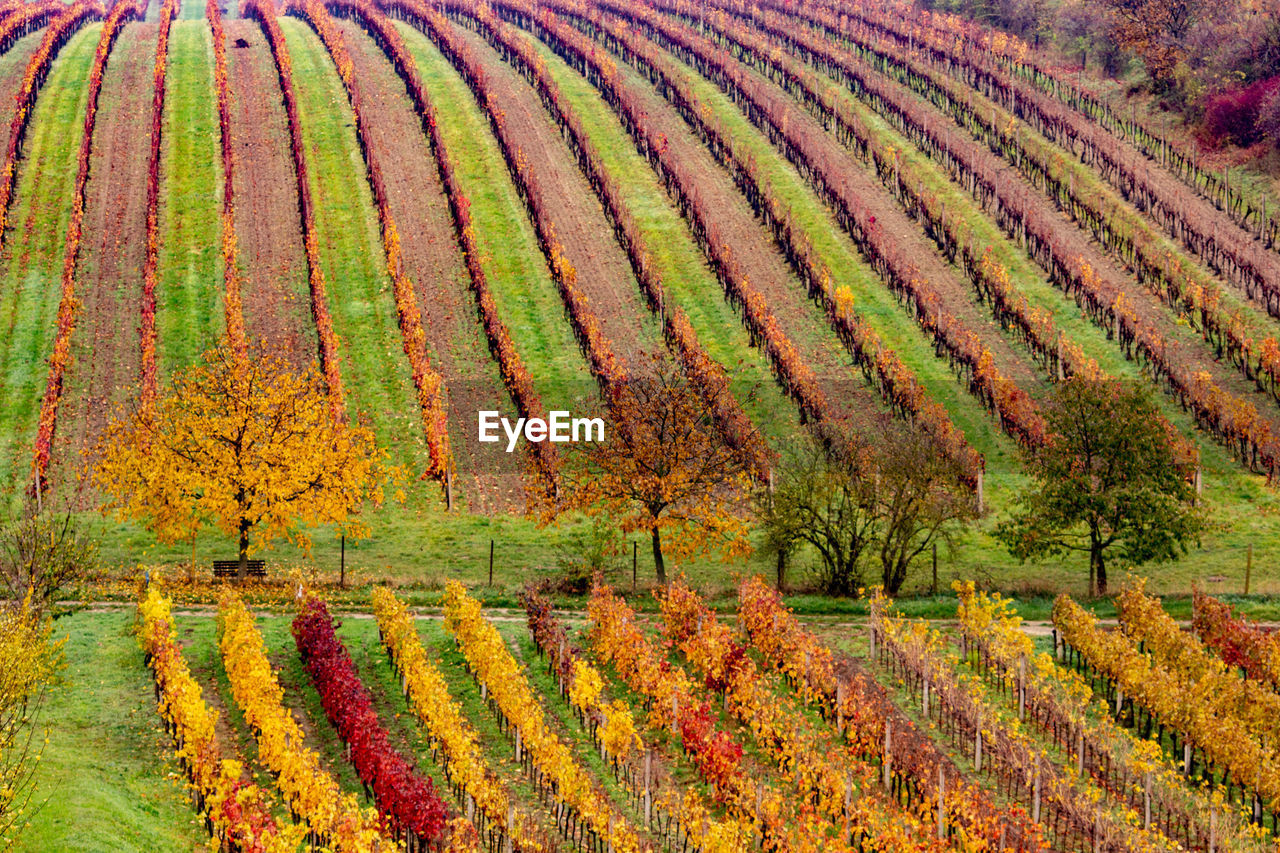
275 287
604 274
433 261
106 347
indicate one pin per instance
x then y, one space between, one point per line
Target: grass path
109 779
374 368
189 309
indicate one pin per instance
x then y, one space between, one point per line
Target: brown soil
275 295
106 346
604 274
433 261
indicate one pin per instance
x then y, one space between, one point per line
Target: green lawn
30 288
189 313
109 779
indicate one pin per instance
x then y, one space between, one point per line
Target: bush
1234 115
40 554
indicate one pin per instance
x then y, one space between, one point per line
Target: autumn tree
886 500
1155 30
828 502
41 552
663 468
248 445
30 660
1108 480
921 500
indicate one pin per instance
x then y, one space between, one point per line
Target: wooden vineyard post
448 490
942 805
840 708
1035 795
1248 567
888 755
511 820
635 557
490 563
871 634
924 700
1022 688
1186 758
648 796
1080 751
977 746
1146 801
675 714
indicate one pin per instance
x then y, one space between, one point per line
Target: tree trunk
782 570
243 571
658 565
1099 569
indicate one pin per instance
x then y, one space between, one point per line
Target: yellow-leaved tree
248 445
664 468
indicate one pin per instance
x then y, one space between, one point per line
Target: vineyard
829 218
684 728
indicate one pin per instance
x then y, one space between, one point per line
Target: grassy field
109 779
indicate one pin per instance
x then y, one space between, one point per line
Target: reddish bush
1232 116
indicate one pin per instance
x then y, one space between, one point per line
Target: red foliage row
426 380
880 364
605 366
150 374
17 19
1167 277
60 31
264 13
1238 641
515 375
402 795
707 375
68 307
968 164
232 307
961 45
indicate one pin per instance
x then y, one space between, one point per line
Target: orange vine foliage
68 307
237 811
309 790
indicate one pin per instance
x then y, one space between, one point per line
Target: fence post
888 755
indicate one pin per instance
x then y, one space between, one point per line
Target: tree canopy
664 468
1109 480
247 445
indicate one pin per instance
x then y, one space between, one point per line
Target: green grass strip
109 779
189 309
